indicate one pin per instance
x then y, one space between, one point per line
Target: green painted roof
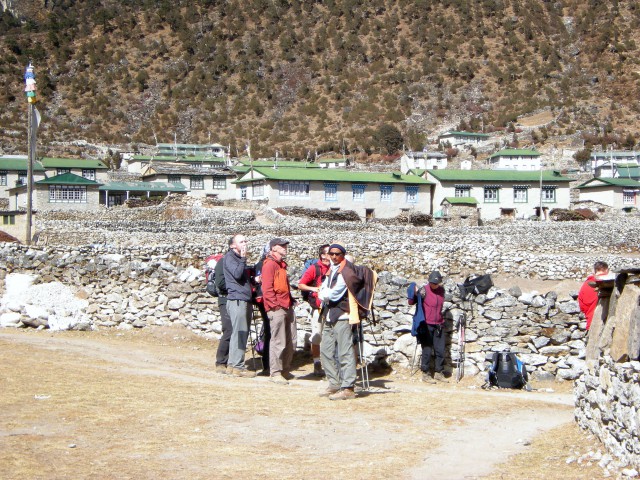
144 187
67 179
461 200
515 152
189 145
281 163
615 153
72 163
614 182
466 134
631 171
18 163
336 175
331 160
178 159
497 175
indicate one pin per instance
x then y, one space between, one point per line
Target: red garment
310 279
432 305
588 299
273 297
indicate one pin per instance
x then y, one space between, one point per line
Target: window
3 178
412 194
173 179
219 183
520 194
294 189
197 183
358 192
548 194
89 173
67 194
8 219
243 192
628 197
491 194
22 178
385 193
61 171
330 192
463 191
257 189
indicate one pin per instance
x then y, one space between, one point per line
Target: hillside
306 76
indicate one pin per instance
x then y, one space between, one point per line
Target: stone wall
608 391
138 287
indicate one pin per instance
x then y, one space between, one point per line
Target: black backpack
475 285
507 371
210 274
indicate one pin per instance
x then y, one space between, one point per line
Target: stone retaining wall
137 287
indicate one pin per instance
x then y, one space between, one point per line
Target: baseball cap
435 277
278 241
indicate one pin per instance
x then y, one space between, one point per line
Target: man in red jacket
587 296
278 302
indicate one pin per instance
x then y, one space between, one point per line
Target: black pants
266 329
432 339
222 355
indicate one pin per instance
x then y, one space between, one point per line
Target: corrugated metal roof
18 163
271 163
461 200
67 179
497 175
72 163
144 187
614 182
335 175
515 152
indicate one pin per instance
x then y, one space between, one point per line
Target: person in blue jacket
428 325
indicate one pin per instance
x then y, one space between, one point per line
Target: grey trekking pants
239 311
337 337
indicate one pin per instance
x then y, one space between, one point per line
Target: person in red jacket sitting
587 296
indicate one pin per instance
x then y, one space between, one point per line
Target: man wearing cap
336 331
278 302
238 284
428 325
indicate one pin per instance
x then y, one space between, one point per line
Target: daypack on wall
210 274
507 371
475 285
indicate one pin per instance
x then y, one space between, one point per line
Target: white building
619 193
463 139
503 193
605 164
515 159
422 161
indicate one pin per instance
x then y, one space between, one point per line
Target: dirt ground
147 404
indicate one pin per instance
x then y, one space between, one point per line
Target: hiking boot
264 373
317 370
288 375
439 377
242 372
220 368
279 379
344 394
329 391
427 378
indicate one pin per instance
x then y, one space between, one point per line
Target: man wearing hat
278 302
336 331
428 325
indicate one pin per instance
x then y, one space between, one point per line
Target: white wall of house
462 140
520 163
11 181
343 199
611 196
208 190
506 198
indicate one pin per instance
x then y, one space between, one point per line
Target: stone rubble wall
143 286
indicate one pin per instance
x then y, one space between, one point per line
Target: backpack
306 295
210 274
507 371
475 285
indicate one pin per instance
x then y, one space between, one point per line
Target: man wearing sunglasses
336 330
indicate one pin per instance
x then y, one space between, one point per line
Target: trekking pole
254 342
364 368
413 360
461 345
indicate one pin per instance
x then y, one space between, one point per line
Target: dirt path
147 404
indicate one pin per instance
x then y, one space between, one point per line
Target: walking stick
462 320
413 360
364 368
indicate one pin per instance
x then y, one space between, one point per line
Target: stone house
459 211
503 193
13 173
515 159
90 169
619 193
67 191
116 193
200 181
137 163
370 195
341 162
463 139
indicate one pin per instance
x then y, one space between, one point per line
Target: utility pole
32 125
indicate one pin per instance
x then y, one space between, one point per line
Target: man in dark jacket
222 354
238 285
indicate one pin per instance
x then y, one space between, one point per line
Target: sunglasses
333 254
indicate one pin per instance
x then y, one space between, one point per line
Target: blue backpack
507 371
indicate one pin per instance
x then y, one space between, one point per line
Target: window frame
411 194
386 193
330 191
293 189
491 194
357 192
89 173
67 194
516 190
219 183
196 182
546 198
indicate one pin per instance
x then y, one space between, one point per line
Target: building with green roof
13 173
620 193
66 191
137 163
503 193
191 150
520 159
116 193
201 181
87 168
371 195
605 164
